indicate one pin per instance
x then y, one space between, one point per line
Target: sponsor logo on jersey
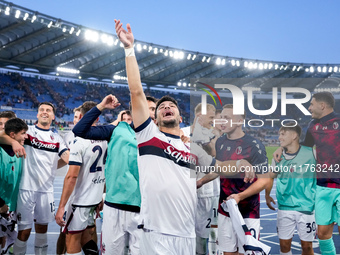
36 143
177 155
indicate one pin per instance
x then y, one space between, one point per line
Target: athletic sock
40 244
286 253
327 247
19 247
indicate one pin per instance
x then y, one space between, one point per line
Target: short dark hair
231 106
7 114
166 98
325 97
15 125
47 103
148 98
77 109
127 112
292 126
86 106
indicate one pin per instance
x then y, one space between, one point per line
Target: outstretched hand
126 37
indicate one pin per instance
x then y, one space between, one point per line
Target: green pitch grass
270 150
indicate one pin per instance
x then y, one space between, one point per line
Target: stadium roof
32 41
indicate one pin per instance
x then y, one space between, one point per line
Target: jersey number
94 168
311 227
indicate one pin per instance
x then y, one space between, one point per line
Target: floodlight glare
189 56
324 69
245 63
50 24
71 30
17 14
34 18
193 58
335 69
139 47
78 32
26 16
208 60
218 61
7 10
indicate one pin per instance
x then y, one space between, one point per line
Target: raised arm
16 146
140 111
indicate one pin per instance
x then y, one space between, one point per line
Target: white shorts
35 206
153 243
118 225
206 215
287 221
79 218
227 239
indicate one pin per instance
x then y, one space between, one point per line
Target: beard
170 123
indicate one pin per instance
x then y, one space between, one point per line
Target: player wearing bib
35 200
83 189
295 191
168 190
324 133
10 175
122 200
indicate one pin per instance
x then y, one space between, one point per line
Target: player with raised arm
295 191
123 199
324 132
168 190
35 200
82 191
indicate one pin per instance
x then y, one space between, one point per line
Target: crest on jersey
238 150
317 127
52 137
335 125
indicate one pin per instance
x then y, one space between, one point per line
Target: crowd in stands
20 92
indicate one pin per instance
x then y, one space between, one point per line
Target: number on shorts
215 212
253 232
311 227
94 168
208 225
52 206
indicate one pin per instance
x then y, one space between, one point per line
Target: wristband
130 52
238 163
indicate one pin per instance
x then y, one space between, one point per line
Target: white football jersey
43 149
167 184
68 138
90 155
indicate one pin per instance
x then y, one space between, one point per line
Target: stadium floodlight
286 67
161 50
324 69
184 84
311 69
335 69
116 42
181 55
145 47
265 66
17 14
171 54
34 18
246 64
250 65
260 66
194 57
109 41
294 68
139 47
79 77
238 63
104 38
208 60
189 56
155 51
299 68
7 10
67 70
50 24
255 65
176 54
189 85
166 53
71 30
233 63
78 32
276 66
307 70
270 66
150 48
330 69
179 84
121 45
319 69
204 58
223 62
64 29
91 35
26 16
218 61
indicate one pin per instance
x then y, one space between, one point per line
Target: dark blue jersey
254 152
325 134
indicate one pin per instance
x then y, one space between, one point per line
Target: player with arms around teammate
234 144
35 200
324 132
10 175
295 191
83 187
168 190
